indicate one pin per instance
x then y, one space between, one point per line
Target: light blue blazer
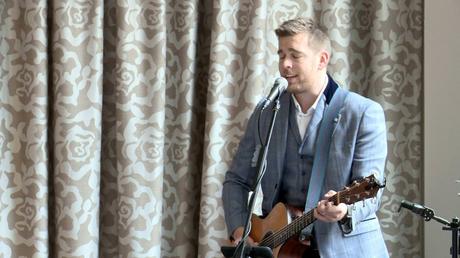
358 149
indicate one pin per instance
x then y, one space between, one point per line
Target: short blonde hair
318 38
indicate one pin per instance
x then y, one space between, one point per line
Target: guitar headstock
359 190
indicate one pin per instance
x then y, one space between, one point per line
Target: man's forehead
295 39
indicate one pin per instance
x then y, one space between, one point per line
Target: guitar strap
323 143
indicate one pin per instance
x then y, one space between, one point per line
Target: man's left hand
327 211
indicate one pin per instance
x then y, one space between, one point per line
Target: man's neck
308 98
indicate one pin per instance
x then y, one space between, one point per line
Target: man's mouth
290 78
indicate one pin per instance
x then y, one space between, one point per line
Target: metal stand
454 227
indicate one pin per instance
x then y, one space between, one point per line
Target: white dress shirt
303 119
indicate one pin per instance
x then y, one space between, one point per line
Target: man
357 149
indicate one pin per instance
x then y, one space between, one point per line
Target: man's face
299 63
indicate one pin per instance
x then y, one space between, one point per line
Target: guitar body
275 221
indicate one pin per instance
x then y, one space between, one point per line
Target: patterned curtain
118 119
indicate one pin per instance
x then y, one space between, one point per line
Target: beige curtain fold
118 119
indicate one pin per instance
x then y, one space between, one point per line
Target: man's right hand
238 235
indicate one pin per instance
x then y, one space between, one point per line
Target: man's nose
286 63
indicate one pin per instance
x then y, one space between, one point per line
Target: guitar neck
280 237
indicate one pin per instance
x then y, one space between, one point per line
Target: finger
251 241
235 241
332 211
317 214
320 209
330 193
327 213
322 204
324 217
328 206
237 235
333 215
320 216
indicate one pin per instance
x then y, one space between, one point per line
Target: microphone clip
421 210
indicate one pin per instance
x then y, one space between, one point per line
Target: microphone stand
453 226
241 249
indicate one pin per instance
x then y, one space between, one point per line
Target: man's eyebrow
292 50
295 51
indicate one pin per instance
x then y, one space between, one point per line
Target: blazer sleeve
368 158
239 179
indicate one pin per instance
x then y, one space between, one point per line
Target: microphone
421 210
279 87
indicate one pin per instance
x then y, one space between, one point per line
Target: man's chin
292 87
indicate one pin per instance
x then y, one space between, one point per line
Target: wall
442 120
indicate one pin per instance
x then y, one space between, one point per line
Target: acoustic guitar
274 231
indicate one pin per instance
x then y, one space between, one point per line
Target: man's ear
323 59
